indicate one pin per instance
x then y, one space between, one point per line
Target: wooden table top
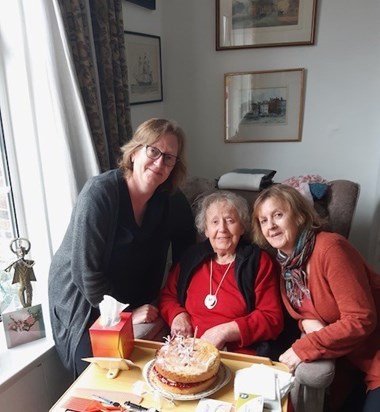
94 381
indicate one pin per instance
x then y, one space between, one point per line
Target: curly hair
148 133
236 201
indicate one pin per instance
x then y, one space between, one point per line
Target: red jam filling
175 384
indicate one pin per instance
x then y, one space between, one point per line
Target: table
94 379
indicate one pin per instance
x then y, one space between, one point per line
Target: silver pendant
210 301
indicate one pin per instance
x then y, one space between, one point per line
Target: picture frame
148 4
265 106
143 53
23 325
242 24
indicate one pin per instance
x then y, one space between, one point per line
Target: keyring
18 242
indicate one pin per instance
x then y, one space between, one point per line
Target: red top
265 322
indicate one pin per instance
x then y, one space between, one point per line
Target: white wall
341 120
36 387
141 20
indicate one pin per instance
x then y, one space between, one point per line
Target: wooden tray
94 380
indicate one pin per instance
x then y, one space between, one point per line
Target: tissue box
247 402
113 341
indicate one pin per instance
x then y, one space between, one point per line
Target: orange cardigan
345 293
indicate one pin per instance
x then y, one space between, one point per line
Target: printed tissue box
113 341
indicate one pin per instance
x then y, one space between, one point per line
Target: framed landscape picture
264 106
242 24
144 67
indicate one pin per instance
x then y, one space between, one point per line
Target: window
43 148
8 227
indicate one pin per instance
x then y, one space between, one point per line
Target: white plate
223 377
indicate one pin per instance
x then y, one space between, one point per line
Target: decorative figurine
23 270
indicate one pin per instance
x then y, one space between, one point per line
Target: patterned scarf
293 268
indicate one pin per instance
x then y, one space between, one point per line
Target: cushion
246 179
312 187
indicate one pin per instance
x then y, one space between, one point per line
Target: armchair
338 207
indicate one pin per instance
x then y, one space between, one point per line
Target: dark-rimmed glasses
154 153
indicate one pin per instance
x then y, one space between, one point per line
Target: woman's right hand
181 325
290 359
144 314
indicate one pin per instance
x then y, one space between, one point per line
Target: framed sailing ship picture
144 67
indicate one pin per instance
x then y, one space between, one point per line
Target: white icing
178 353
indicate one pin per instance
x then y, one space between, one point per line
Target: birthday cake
185 365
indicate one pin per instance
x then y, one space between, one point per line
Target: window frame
8 182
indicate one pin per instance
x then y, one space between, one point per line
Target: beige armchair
338 207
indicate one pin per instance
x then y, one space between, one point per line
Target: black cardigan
247 262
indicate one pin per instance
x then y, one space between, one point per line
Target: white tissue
110 310
263 380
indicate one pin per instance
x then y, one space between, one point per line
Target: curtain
46 130
96 36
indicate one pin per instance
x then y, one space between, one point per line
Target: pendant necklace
211 299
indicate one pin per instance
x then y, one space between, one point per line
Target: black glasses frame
166 156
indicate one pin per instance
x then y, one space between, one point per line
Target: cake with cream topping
185 365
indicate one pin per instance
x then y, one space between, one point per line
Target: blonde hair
304 213
148 133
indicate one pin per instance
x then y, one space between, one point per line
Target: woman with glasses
118 238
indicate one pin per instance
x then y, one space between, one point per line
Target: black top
105 252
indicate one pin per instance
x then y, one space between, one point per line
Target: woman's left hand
144 314
214 336
221 334
290 359
311 325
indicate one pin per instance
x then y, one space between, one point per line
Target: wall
341 121
37 387
141 20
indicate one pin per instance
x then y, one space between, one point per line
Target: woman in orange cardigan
326 286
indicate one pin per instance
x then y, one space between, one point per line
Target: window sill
18 360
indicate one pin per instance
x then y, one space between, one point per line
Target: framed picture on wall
144 67
148 4
242 24
264 106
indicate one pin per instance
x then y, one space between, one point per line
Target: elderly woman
225 288
326 286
